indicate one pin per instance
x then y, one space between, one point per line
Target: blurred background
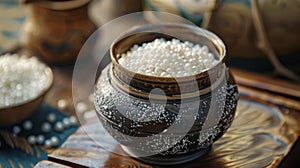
235 21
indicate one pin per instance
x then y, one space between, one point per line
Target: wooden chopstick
267 83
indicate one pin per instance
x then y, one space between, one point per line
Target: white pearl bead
31 139
66 122
73 120
187 65
62 104
54 140
51 117
210 56
16 130
169 70
163 74
81 107
204 48
58 126
46 127
48 143
40 139
27 125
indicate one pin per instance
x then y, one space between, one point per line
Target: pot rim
162 28
145 95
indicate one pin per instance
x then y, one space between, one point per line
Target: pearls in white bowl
168 58
22 79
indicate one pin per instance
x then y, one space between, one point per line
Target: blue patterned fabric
12 16
17 156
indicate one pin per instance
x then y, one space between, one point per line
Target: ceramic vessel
113 9
56 30
204 102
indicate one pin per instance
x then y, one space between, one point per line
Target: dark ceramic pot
193 110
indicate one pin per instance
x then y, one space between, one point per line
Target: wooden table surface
249 86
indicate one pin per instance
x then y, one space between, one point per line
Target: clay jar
56 30
193 111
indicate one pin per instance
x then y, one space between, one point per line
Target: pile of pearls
22 79
168 58
49 126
